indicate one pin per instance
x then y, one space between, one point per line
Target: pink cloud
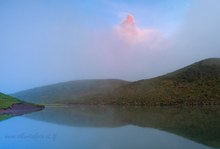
125 50
129 32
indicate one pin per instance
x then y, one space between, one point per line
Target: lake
113 127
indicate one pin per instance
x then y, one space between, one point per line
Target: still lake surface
105 127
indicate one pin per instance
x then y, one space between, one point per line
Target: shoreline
21 108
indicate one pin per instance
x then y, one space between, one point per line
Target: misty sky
44 42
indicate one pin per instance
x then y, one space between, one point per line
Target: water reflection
200 124
21 132
19 109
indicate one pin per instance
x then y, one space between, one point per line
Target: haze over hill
196 84
71 90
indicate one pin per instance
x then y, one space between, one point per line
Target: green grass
7 101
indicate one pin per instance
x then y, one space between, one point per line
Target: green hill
196 84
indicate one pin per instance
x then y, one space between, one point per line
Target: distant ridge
196 84
72 90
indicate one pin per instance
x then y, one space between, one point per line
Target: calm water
91 127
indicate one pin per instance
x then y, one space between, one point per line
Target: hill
196 84
69 91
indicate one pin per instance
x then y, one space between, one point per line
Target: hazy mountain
69 91
197 84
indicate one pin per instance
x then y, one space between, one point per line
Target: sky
45 42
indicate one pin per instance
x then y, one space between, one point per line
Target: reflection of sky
20 132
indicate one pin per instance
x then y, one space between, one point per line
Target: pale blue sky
43 42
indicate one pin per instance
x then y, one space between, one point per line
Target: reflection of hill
19 109
81 116
199 124
4 117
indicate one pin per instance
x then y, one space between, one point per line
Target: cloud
126 51
130 33
133 52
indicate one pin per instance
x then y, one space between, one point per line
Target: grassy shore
7 101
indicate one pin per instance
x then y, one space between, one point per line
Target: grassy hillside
196 84
7 101
69 91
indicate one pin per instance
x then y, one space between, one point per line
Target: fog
44 43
